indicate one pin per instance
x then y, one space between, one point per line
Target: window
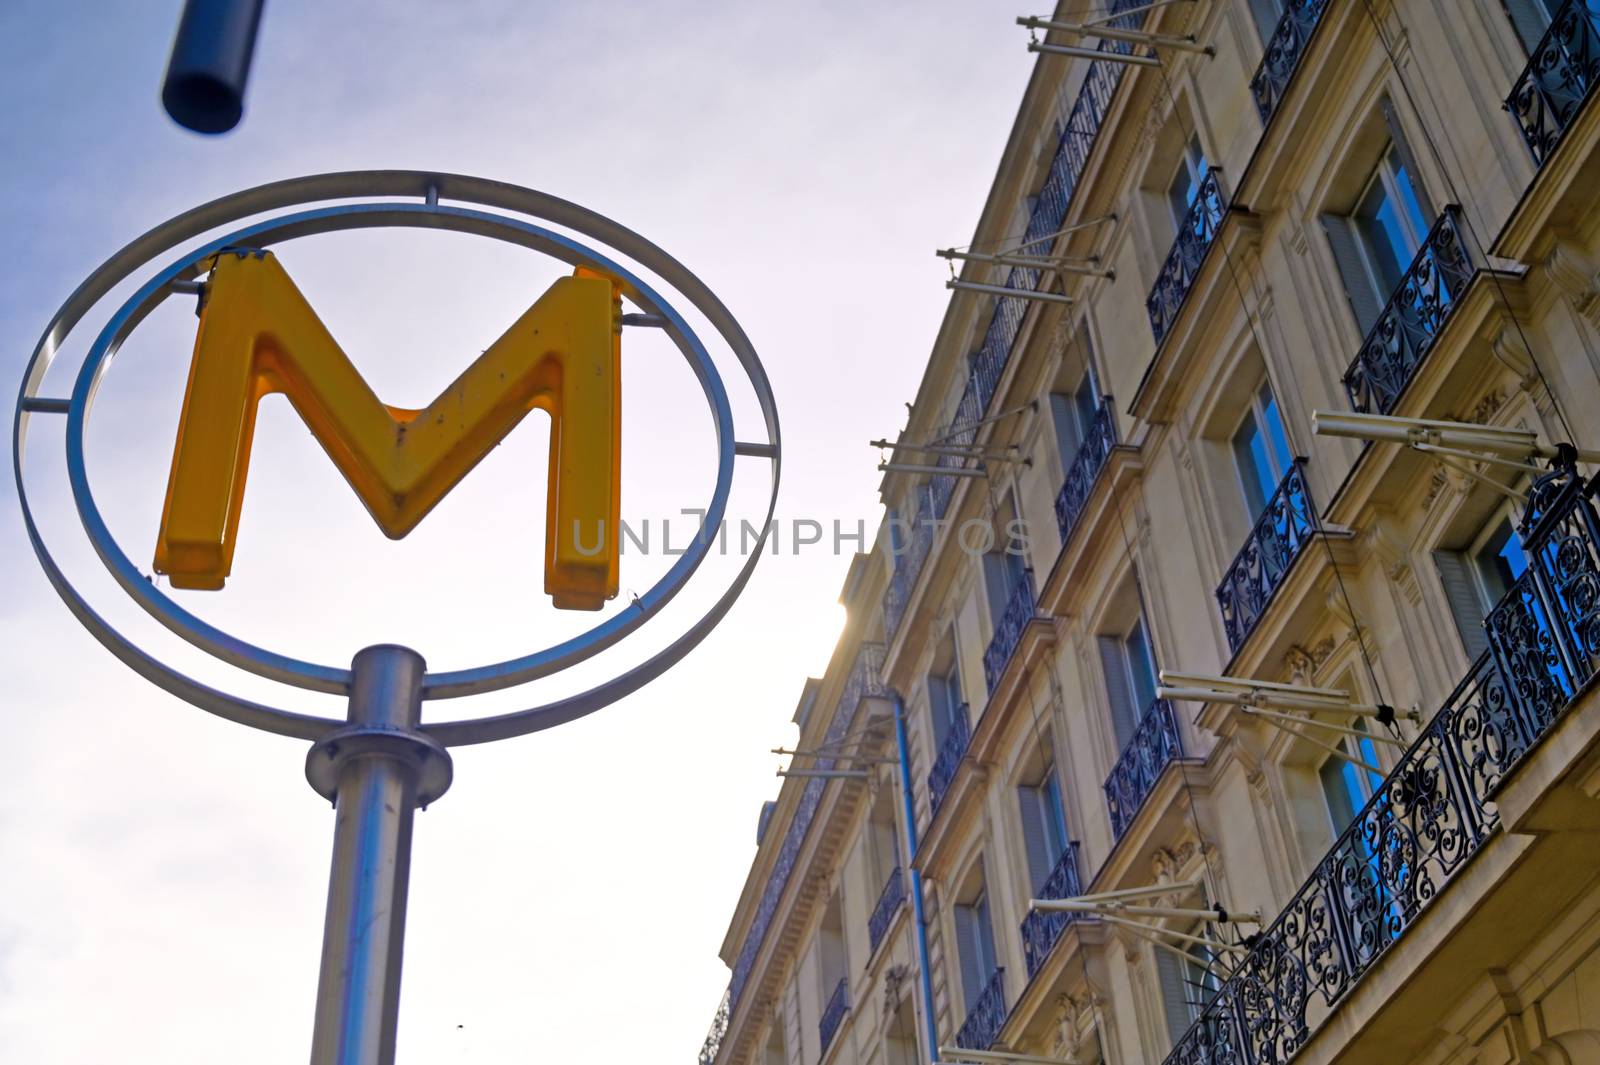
1185 184
1005 564
1044 825
975 948
944 690
1130 679
1530 18
1266 14
1478 577
1390 222
1187 985
1261 450
1347 786
1073 412
1375 242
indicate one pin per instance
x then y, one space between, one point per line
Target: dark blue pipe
204 87
916 877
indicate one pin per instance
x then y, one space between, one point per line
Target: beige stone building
1214 219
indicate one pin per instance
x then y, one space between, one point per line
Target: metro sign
258 335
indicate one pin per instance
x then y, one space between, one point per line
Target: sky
162 872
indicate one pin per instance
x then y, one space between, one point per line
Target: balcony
987 1016
1436 810
1085 469
1188 253
1077 140
1558 79
890 900
1412 319
1278 539
1282 58
1020 609
948 761
719 1031
1155 743
1040 929
833 1013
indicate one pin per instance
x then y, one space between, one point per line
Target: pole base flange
329 754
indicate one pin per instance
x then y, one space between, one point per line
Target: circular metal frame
429 214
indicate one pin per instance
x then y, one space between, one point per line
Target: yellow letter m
258 336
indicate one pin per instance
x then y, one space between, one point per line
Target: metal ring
493 677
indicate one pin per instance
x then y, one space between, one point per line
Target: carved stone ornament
1436 485
894 980
1575 275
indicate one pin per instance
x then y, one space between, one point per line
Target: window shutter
1528 19
1174 992
1455 575
1402 148
1364 300
1124 718
1033 835
972 979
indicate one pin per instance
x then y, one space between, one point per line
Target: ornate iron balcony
1282 58
1085 469
1020 609
1559 77
1155 743
1435 810
1188 252
889 900
1280 535
949 759
1409 324
1078 135
833 1013
987 1017
719 1031
1041 929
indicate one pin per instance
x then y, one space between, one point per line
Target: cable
1316 517
1455 196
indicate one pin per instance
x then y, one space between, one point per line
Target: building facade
1220 229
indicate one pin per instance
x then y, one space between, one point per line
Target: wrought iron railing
719 1030
1155 743
948 760
1085 469
1076 142
1435 810
1195 237
1412 319
1042 928
1281 533
1559 77
1282 57
889 901
833 1013
864 680
987 1016
1021 608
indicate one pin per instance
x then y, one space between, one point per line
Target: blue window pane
1409 203
1280 440
1142 667
1249 451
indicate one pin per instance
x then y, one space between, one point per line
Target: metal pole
903 748
377 772
204 86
